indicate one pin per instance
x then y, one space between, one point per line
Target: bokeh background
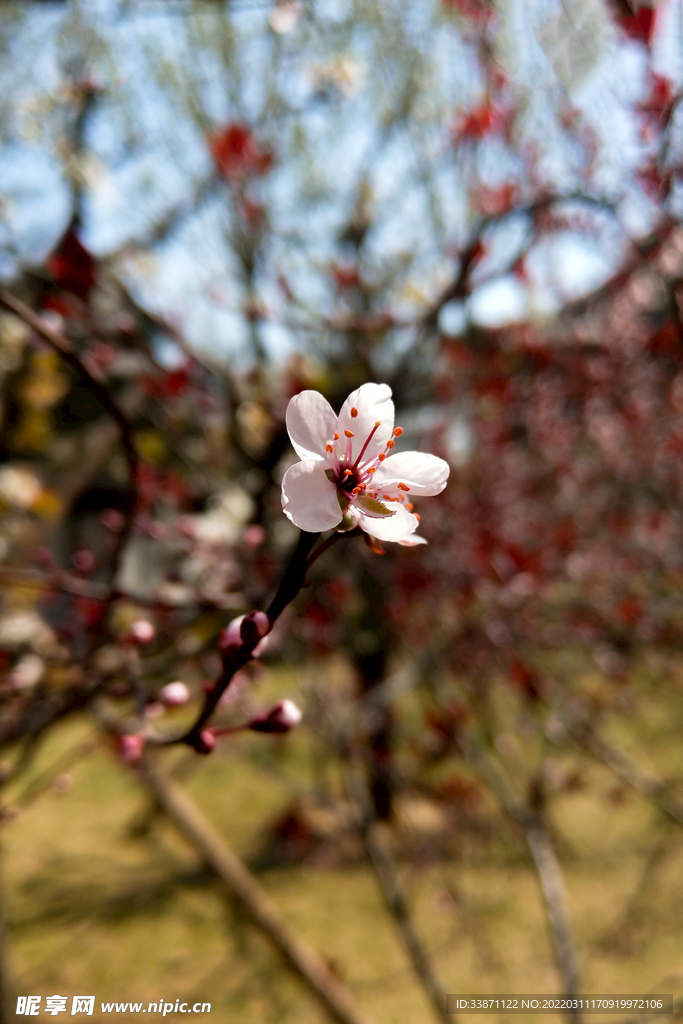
207 207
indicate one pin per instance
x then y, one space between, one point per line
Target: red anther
381 457
387 497
356 490
390 444
397 431
371 469
329 448
349 433
348 472
403 487
409 507
417 517
336 436
354 413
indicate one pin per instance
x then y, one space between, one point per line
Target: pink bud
130 747
230 637
174 695
281 718
112 520
84 560
43 556
63 782
141 632
186 526
254 536
246 629
261 622
205 742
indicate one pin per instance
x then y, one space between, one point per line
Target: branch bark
545 861
394 897
304 961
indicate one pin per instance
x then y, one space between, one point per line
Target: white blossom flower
348 469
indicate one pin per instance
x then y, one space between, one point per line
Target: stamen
416 516
409 507
370 437
354 412
390 444
403 487
349 433
348 451
371 469
336 436
397 431
356 490
329 448
381 457
348 472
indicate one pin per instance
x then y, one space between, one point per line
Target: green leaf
372 505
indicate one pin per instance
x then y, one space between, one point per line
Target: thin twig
627 770
394 897
545 861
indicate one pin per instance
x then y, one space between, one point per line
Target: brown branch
654 789
394 897
545 861
459 287
304 961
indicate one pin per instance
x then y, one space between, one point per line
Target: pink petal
422 473
396 528
311 424
373 402
308 497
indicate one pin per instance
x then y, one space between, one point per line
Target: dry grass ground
95 909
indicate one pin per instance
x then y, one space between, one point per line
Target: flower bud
174 695
253 536
245 629
141 632
84 561
255 626
205 742
281 718
112 520
27 673
130 747
63 782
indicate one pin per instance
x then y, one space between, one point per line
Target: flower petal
373 402
422 473
397 527
409 542
311 423
308 497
